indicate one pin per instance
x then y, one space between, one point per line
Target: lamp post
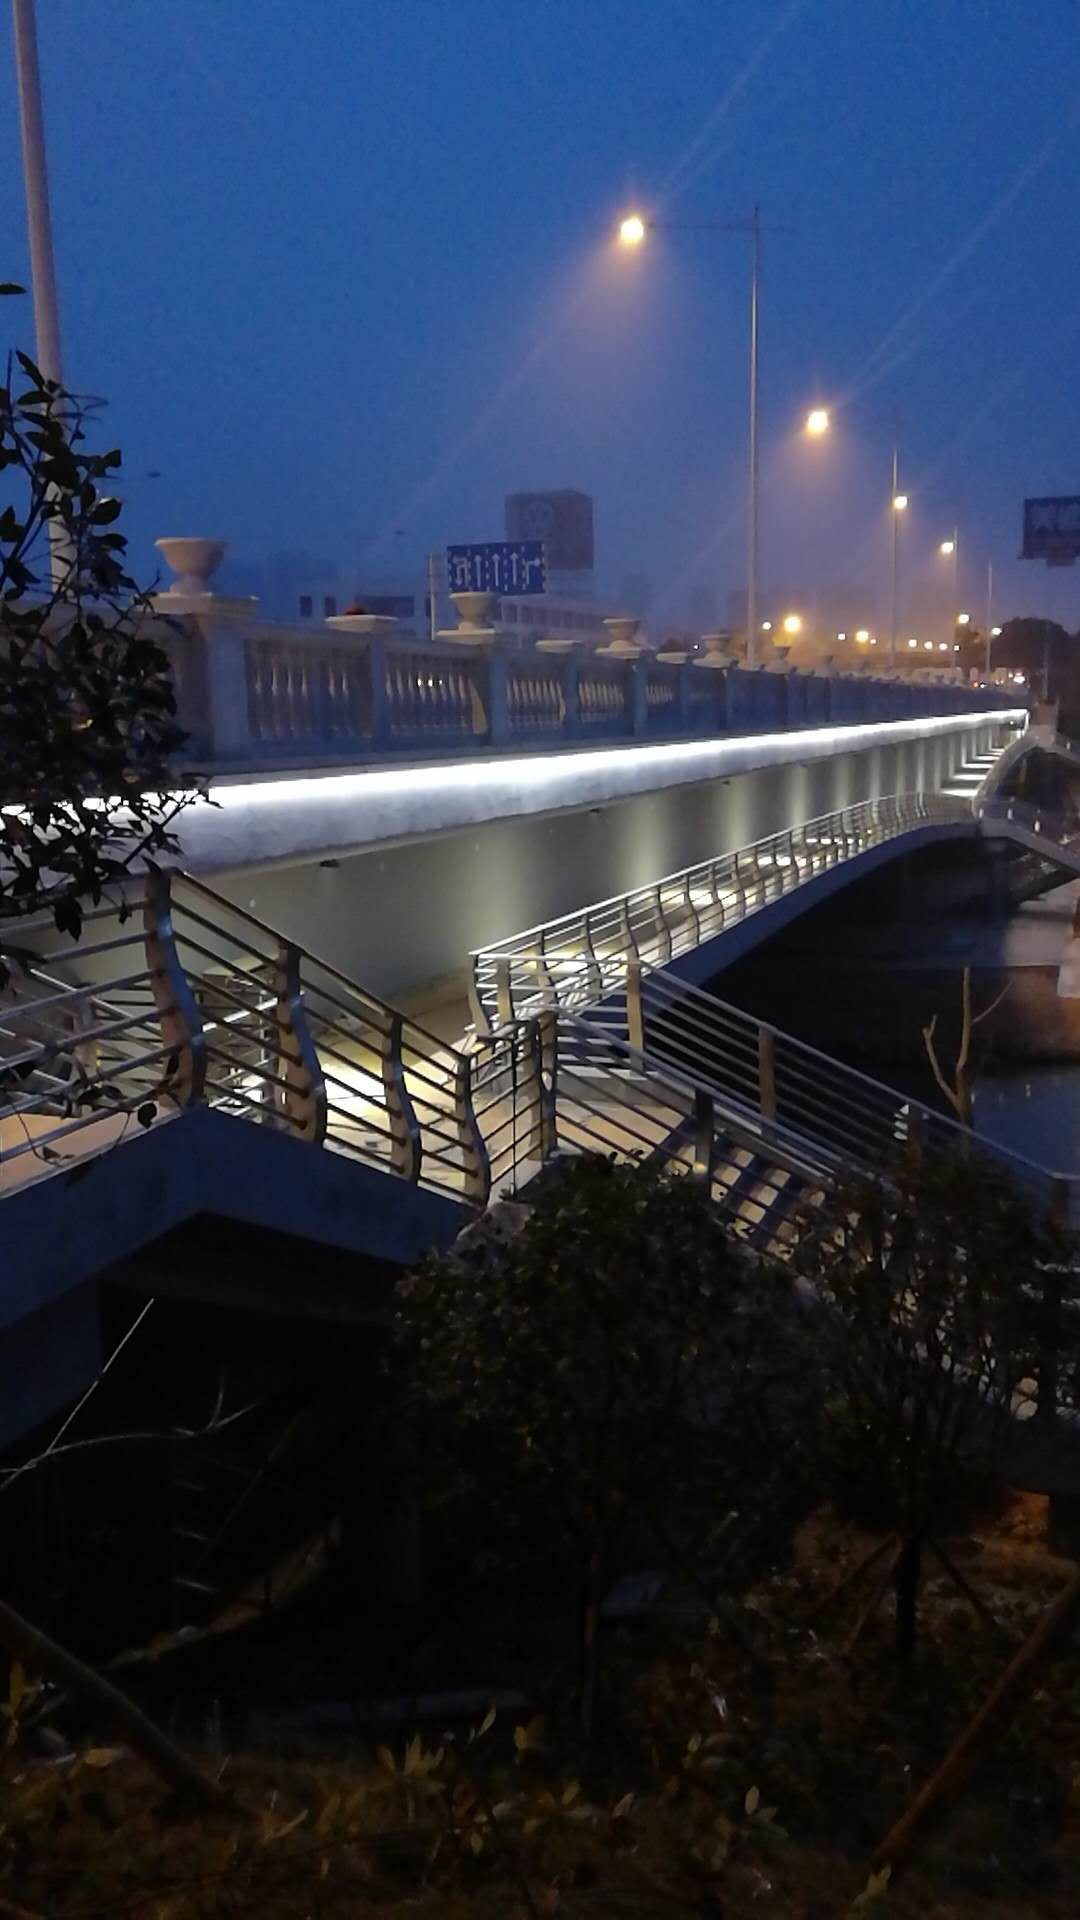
951 547
36 181
632 231
991 630
818 423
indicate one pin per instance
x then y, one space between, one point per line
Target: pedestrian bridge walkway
586 1033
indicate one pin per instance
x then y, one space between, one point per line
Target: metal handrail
566 961
223 1011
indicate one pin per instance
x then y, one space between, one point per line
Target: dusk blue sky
344 268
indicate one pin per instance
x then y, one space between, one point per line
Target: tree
957 1086
87 712
618 1365
933 1284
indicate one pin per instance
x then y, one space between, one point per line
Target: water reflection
1034 1111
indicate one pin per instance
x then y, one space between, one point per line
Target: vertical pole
955 581
895 515
431 595
989 617
752 500
35 175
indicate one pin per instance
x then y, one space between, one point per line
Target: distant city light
913 643
862 635
792 623
943 646
766 626
900 501
818 422
841 636
928 646
994 632
632 230
947 546
963 619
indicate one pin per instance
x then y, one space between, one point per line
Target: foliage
87 722
933 1322
616 1369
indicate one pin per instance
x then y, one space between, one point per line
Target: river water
1034 1111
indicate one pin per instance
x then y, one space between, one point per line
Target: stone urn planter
194 563
623 643
717 654
475 616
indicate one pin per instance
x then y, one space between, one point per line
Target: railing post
635 1022
178 1010
637 705
663 931
704 1138
504 990
476 1165
302 1100
572 718
406 1143
378 704
767 1072
498 689
547 1050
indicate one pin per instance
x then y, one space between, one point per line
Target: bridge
457 789
190 1064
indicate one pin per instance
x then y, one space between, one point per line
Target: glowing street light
913 643
766 626
862 635
819 422
947 547
632 230
963 619
792 623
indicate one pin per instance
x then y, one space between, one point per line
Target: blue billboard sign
1052 529
498 566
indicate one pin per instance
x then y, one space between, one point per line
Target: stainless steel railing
183 998
574 960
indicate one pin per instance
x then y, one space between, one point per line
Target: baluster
704 1139
302 1101
476 1165
179 1019
635 1017
767 1072
406 1145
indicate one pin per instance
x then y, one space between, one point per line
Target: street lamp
792 624
951 549
817 423
632 231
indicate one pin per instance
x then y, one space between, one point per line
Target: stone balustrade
255 694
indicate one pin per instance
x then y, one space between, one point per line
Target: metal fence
575 960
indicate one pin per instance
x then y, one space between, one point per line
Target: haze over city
346 275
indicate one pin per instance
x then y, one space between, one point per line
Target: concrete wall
400 917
